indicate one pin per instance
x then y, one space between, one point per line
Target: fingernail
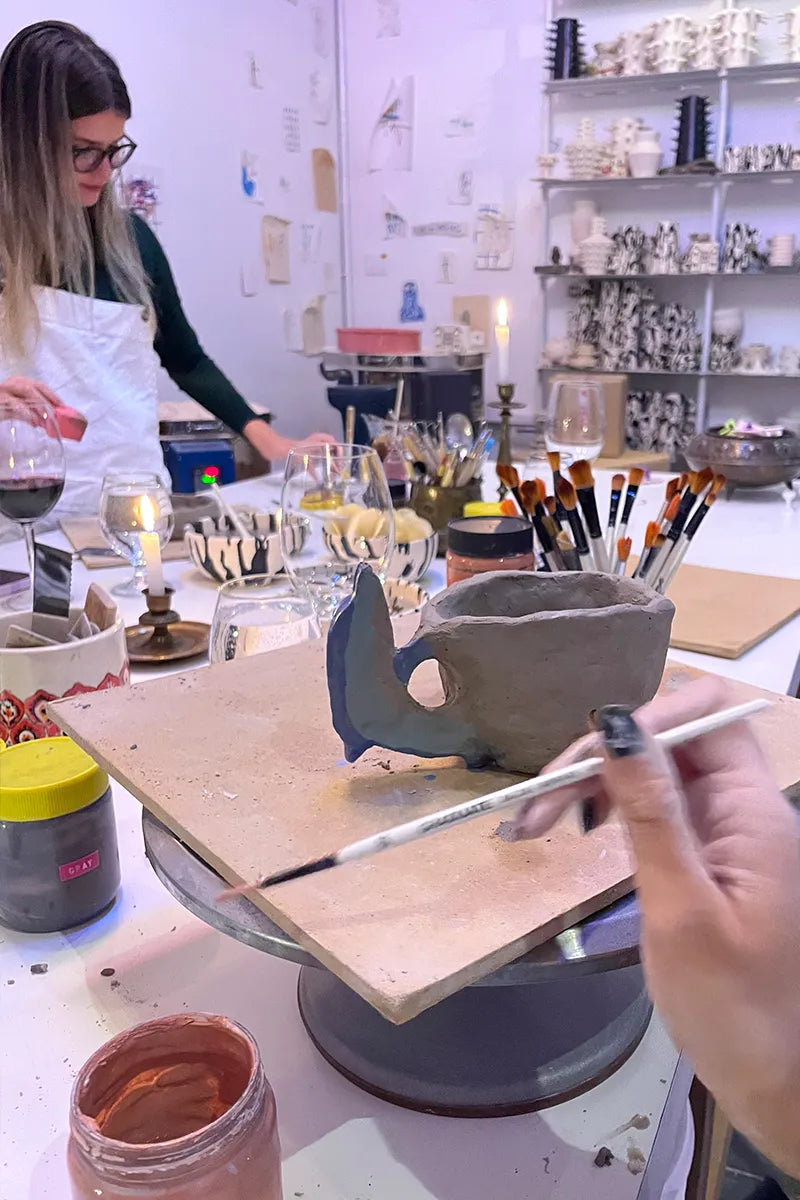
621 734
588 816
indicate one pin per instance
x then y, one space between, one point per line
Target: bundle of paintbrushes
434 459
668 538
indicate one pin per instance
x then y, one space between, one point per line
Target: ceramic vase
595 250
583 214
645 157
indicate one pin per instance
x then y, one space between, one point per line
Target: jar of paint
478 544
172 1109
59 864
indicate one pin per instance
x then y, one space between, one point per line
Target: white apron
98 357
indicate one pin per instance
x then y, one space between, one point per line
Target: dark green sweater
176 344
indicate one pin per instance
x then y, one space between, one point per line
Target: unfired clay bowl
524 659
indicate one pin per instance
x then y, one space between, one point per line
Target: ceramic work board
240 760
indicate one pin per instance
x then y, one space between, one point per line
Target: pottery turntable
438 975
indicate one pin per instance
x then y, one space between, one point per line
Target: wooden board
726 613
653 460
241 761
86 537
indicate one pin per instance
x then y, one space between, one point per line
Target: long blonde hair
51 74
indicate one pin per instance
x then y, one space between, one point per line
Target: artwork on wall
462 124
447 267
251 273
249 177
313 326
253 70
441 229
290 124
391 146
462 186
411 309
475 311
141 193
494 239
321 30
394 225
310 236
389 20
292 330
275 249
320 95
323 169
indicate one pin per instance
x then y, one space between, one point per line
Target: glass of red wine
32 470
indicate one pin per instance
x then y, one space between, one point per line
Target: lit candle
151 549
502 339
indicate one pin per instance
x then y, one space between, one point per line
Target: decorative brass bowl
746 459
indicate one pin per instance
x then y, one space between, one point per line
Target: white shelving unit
717 194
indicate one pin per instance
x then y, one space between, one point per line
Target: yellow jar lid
47 777
482 508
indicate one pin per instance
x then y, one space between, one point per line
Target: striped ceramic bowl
224 555
408 561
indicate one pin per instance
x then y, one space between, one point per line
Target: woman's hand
71 424
718 878
273 447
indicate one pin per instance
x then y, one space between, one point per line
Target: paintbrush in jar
554 459
580 473
673 486
516 794
684 542
698 482
566 548
634 483
509 477
648 552
569 499
617 484
624 546
530 498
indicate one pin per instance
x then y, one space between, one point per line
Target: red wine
29 499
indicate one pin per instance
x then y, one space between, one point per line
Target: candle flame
502 313
147 513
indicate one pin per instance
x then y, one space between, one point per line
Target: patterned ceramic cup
32 676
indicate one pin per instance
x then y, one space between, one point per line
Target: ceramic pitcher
524 659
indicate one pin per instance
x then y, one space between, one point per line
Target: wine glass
32 470
255 614
132 504
576 420
344 492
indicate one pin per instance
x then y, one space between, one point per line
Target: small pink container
378 341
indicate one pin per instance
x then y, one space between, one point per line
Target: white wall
185 63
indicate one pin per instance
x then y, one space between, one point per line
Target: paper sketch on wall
394 225
292 330
462 186
251 274
290 124
254 70
475 311
141 193
284 185
389 20
248 176
320 95
411 309
462 124
494 239
275 249
447 267
455 229
321 30
323 170
313 326
391 146
310 235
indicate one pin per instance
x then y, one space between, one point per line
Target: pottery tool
398 401
509 477
566 548
682 545
698 482
531 500
617 484
623 554
517 793
634 483
554 459
569 499
226 510
646 557
581 475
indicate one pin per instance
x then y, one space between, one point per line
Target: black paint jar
59 864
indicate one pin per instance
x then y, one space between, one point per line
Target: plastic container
378 341
59 864
176 1109
478 544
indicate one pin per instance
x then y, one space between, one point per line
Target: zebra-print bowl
222 554
408 561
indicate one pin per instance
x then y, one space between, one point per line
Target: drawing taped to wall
320 95
455 229
275 249
391 146
411 309
141 193
462 186
321 30
310 235
494 239
323 170
254 70
290 124
389 20
251 274
447 267
394 225
248 176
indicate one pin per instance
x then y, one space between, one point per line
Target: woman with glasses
88 304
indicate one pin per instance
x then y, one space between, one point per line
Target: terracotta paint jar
59 864
478 544
176 1109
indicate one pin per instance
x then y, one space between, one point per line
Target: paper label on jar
81 866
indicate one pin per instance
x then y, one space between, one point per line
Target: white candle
502 337
151 549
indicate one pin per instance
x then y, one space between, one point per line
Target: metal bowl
745 459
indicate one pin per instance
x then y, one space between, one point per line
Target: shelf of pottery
671 230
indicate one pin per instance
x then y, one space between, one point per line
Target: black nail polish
621 734
588 816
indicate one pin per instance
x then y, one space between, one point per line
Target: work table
339 1143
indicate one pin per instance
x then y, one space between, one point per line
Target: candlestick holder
161 636
506 406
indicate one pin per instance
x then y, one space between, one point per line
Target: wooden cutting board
240 760
726 613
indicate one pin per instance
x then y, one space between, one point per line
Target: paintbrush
617 484
566 548
673 486
580 473
698 482
634 483
554 459
624 546
517 793
651 534
684 541
568 497
530 499
509 477
236 522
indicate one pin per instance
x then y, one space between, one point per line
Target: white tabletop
339 1143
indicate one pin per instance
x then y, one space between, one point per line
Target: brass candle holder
161 636
506 406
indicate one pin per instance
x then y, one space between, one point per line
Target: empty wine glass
31 470
576 420
344 492
130 505
256 614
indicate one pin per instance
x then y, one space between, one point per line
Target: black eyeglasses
88 158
